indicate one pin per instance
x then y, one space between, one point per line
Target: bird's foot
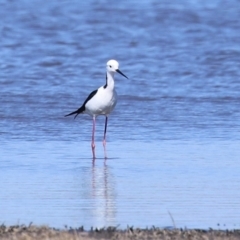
104 147
93 150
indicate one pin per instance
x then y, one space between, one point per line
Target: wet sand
31 232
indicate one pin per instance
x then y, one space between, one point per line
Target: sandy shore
22 232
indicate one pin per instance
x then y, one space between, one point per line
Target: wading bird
101 102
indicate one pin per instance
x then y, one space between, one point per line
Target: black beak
121 73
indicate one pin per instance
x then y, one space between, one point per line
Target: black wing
82 108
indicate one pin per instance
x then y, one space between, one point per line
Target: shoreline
33 232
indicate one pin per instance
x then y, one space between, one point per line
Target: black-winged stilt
101 102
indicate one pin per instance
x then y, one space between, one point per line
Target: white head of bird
113 67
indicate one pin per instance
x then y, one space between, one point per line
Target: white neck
110 80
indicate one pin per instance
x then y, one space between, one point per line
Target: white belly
102 103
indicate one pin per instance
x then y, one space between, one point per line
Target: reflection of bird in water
104 209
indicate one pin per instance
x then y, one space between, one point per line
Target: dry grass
31 232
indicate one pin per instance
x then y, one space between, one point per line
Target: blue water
173 139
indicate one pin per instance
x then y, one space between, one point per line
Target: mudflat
31 232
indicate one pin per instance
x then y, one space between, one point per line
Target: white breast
102 103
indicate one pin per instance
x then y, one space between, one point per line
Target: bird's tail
80 110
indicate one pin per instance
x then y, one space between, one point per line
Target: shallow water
173 139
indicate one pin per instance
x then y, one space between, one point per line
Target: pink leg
93 143
104 138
